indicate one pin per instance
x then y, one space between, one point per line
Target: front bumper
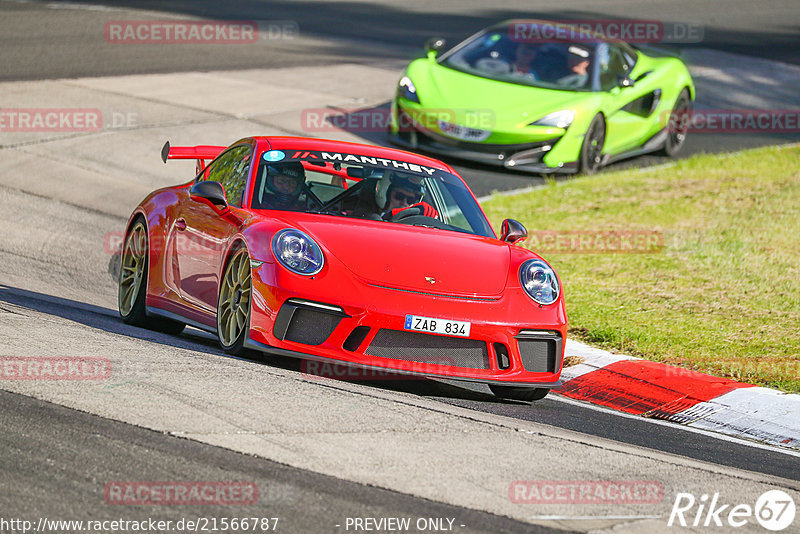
341 329
541 156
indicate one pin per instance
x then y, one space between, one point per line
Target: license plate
462 132
437 326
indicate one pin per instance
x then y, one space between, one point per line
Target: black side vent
539 350
501 351
355 338
311 327
306 322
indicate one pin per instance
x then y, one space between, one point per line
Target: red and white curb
651 389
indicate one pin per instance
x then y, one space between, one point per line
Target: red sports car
344 253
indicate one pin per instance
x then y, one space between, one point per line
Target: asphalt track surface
52 450
555 412
53 456
56 460
47 43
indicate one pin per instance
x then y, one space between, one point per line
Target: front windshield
496 55
365 187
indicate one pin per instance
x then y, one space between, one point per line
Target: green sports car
542 105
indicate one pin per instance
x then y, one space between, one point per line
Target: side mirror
512 231
624 81
211 192
433 46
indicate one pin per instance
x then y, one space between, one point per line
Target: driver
524 59
285 182
578 61
397 192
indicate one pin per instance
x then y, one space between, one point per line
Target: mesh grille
425 348
311 327
538 355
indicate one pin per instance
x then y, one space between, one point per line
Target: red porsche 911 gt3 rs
344 253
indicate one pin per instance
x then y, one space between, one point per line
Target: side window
630 59
230 170
615 66
448 200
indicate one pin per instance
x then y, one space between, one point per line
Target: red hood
405 257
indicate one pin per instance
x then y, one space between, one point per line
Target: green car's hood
458 94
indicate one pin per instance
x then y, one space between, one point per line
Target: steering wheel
405 214
491 65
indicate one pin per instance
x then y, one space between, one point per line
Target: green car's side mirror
433 46
625 81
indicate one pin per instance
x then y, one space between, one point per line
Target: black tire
518 393
164 325
678 125
591 158
233 343
135 314
132 283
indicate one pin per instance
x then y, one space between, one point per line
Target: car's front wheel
233 306
519 393
591 157
678 125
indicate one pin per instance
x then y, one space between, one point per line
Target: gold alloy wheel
132 269
233 309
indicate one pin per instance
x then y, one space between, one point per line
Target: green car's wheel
519 393
132 289
233 308
592 147
678 125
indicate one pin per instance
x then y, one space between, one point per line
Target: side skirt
653 144
158 312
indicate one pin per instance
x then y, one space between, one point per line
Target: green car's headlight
297 252
406 89
559 119
539 281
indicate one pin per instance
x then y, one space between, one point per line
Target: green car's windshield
494 54
357 186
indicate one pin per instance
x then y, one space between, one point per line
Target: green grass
723 294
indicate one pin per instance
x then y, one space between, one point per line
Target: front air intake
355 338
539 350
501 351
306 322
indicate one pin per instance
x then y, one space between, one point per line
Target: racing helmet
291 172
391 179
578 54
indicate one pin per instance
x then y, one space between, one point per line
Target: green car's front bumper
539 149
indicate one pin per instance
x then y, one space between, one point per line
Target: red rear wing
201 153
